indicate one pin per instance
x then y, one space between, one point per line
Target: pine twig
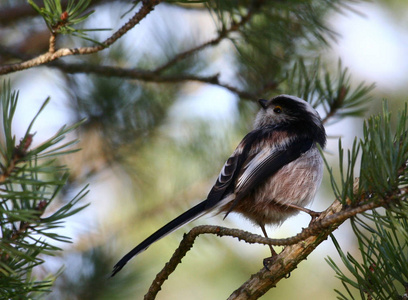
146 8
18 155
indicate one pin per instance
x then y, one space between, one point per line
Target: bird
274 172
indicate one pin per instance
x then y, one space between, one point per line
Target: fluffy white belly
295 183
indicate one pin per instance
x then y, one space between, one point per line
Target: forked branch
297 248
54 54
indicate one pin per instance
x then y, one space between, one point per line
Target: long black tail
190 215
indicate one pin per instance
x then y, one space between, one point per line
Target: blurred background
151 150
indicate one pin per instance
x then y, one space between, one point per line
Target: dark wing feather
225 183
266 163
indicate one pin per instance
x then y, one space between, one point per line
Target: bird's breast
295 183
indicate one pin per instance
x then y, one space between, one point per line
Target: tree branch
221 35
54 54
297 247
152 76
146 8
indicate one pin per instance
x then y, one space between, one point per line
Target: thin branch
221 35
53 54
8 170
146 8
188 240
18 155
297 248
152 76
148 76
287 261
52 43
187 243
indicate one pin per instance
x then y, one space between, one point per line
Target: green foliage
381 234
276 43
30 182
313 82
382 272
271 39
341 99
345 192
60 20
386 149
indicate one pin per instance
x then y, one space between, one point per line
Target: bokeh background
150 151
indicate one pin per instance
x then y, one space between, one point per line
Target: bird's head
292 113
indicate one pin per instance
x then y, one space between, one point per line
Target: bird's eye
277 109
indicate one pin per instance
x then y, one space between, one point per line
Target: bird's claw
314 215
269 261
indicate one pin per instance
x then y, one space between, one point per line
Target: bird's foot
314 215
269 261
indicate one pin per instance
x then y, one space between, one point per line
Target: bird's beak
263 103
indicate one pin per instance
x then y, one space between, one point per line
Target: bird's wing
226 180
267 162
260 154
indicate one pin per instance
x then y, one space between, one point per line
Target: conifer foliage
126 91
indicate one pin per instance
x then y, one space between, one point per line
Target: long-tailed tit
273 173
